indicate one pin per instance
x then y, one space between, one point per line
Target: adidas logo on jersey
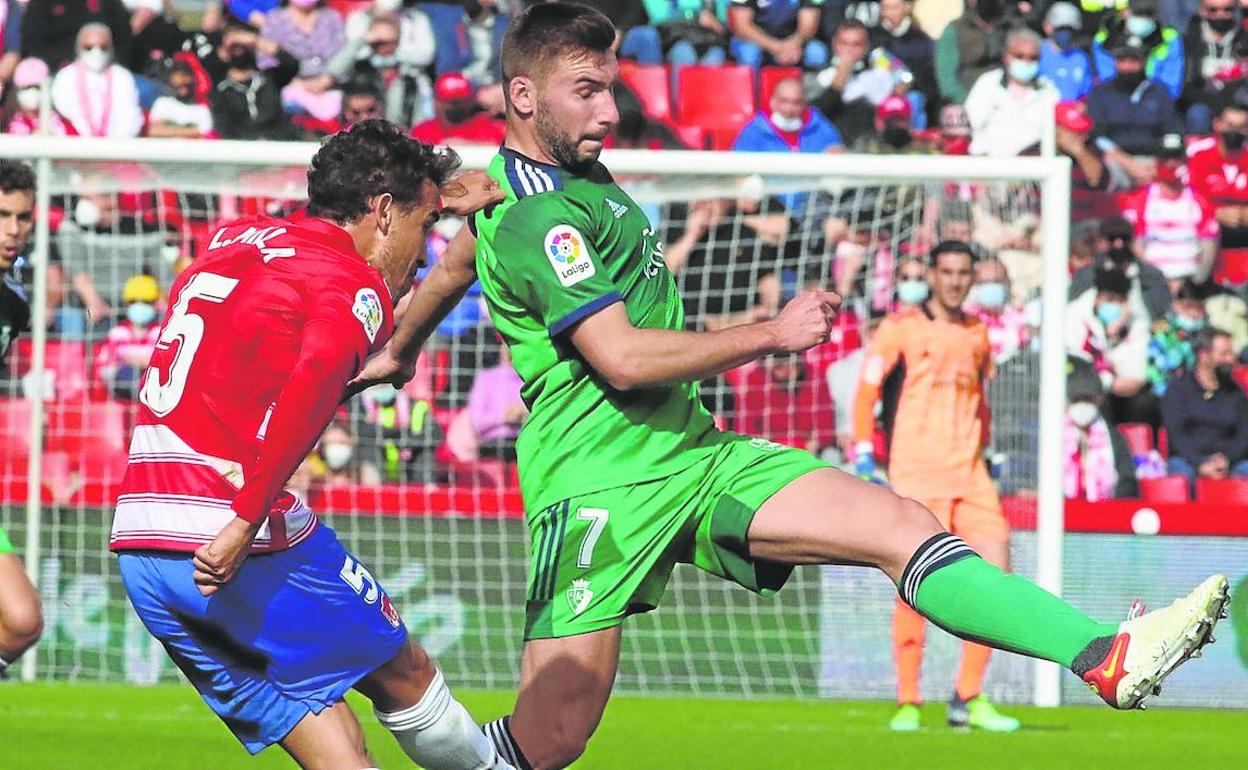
619 209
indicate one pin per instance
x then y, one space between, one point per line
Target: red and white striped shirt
1170 229
262 334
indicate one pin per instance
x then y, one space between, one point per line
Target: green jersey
558 249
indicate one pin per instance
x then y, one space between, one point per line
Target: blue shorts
289 635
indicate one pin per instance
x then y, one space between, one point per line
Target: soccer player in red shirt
257 602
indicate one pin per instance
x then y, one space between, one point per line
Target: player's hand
470 192
806 321
381 369
218 562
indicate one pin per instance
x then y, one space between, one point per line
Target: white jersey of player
261 335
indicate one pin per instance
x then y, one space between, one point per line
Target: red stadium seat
1232 491
1232 267
719 99
93 435
1139 437
1163 443
67 362
14 429
692 137
1167 489
653 85
767 79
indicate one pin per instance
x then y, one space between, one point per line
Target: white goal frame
1051 173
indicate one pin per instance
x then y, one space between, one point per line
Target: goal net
427 497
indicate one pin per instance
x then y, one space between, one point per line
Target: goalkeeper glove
864 460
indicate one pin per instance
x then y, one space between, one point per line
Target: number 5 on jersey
187 330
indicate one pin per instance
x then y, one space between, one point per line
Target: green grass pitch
166 727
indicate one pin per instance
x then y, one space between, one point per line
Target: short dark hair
1203 339
950 247
1112 280
360 87
16 176
181 67
852 24
370 158
547 31
1189 289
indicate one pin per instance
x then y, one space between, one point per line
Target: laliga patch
565 248
387 609
367 308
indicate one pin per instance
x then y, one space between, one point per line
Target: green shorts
6 545
600 557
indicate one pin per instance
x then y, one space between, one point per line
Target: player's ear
522 95
384 210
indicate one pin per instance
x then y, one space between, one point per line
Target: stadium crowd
1150 100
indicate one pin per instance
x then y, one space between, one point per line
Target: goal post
454 541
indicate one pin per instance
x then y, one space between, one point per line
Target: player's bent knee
21 625
911 523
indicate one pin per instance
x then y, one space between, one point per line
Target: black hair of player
951 247
546 32
370 158
16 176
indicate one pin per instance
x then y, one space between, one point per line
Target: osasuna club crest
579 596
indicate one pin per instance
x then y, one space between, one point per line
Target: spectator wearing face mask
1163 58
247 101
1149 295
893 131
1089 198
485 22
954 131
1206 414
415 44
900 34
97 96
1218 169
1175 226
1098 463
184 114
313 34
344 462
1130 115
856 81
1062 61
123 355
402 431
1007 107
1101 329
27 78
1170 350
360 102
457 119
51 29
990 302
379 56
1214 42
912 288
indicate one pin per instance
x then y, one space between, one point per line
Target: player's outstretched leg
946 581
564 687
330 740
21 622
411 699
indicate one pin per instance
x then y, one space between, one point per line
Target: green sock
957 590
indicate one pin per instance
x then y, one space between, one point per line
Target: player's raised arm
629 357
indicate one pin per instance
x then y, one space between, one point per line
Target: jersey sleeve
342 321
548 259
883 355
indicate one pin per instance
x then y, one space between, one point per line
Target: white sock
438 733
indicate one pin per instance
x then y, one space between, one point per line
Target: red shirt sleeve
336 341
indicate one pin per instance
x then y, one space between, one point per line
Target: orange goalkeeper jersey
940 427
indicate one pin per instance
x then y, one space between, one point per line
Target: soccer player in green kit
623 472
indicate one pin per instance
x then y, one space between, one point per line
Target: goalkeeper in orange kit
936 455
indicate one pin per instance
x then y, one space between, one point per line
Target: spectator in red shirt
1175 226
779 402
457 119
122 357
1218 169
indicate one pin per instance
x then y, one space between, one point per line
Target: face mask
1024 71
458 113
1082 413
242 59
383 62
87 213
1183 323
896 136
1168 174
304 4
28 98
387 6
1063 37
1222 24
786 124
141 313
912 292
95 59
1234 140
383 395
1129 81
990 296
337 455
1109 312
1120 255
1141 26
1225 374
